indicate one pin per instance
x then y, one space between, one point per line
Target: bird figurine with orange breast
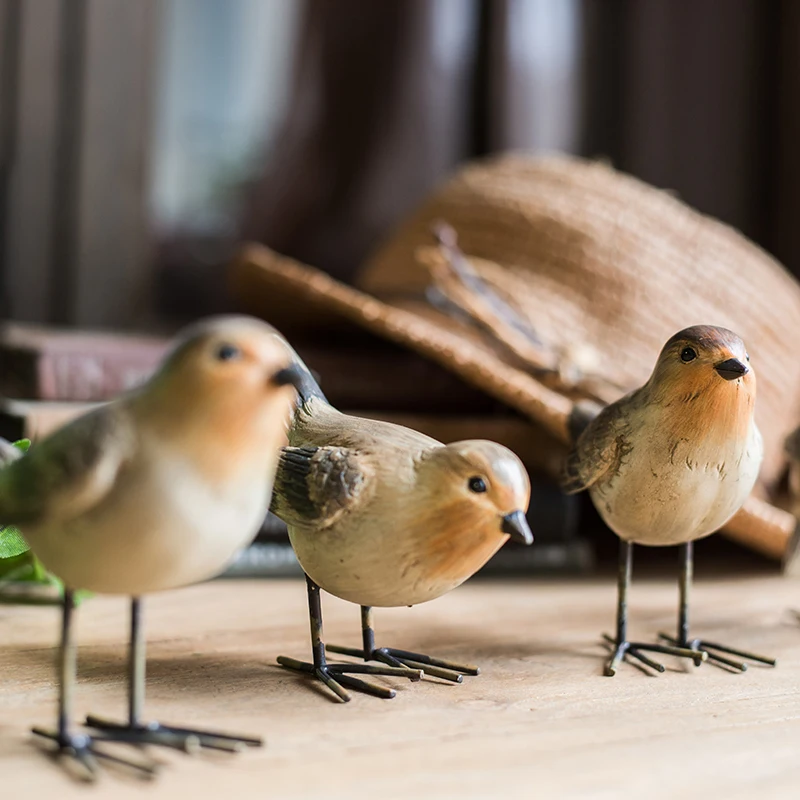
791 447
670 463
381 515
157 489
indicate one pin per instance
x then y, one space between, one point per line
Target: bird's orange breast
457 541
716 414
228 433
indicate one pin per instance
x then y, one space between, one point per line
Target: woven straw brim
291 296
593 257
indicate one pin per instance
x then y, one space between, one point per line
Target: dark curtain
698 96
389 97
384 103
703 102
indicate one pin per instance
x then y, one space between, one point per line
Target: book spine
83 376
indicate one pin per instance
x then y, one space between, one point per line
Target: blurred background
140 140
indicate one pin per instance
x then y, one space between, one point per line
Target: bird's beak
731 369
516 526
292 375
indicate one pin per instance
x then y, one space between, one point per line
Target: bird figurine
381 515
157 489
670 463
792 450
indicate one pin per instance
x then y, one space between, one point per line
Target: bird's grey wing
598 449
315 486
69 471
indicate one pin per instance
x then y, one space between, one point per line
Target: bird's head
233 371
704 359
478 480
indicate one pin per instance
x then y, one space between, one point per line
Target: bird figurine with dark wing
155 490
791 447
670 463
381 515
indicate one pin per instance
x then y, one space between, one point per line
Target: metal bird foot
83 751
635 650
435 667
337 676
188 740
714 650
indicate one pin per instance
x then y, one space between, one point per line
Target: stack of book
48 376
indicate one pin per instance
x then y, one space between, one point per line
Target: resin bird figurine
670 463
791 447
381 515
155 490
792 450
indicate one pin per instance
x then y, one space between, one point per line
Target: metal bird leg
435 667
79 746
712 648
337 676
622 647
135 731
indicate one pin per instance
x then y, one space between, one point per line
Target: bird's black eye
747 356
477 485
688 354
227 352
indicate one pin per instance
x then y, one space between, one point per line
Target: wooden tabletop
540 721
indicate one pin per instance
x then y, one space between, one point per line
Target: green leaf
19 566
12 542
25 581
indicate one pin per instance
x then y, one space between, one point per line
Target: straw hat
551 282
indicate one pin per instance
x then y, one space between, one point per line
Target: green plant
12 543
23 578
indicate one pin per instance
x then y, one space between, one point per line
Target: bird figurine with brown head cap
157 489
670 463
791 447
381 515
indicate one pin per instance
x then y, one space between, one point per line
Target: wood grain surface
541 721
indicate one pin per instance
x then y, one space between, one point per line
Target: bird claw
433 667
338 675
635 650
82 749
188 740
714 649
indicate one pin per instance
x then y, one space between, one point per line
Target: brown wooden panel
539 722
28 247
111 283
9 59
784 208
692 103
9 35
